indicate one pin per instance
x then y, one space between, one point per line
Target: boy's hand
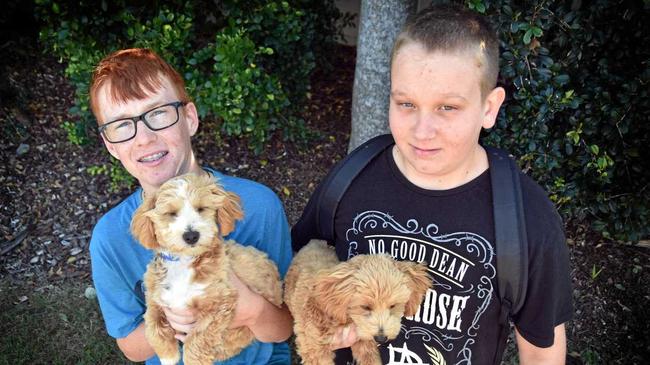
344 337
249 304
268 322
181 319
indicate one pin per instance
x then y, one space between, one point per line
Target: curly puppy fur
185 222
371 291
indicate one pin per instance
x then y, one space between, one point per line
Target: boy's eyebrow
147 107
395 93
454 96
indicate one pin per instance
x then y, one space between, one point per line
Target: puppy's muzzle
191 236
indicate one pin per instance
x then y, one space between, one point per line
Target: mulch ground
50 202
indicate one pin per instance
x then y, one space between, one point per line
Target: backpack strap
510 231
338 182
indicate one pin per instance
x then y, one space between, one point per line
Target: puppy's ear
419 282
333 292
142 225
229 212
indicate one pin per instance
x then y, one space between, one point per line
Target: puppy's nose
191 237
380 338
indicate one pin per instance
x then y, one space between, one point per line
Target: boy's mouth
425 151
153 157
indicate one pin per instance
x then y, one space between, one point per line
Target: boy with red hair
133 86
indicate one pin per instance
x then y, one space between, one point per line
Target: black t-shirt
452 231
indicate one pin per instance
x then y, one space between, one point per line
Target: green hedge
247 63
577 76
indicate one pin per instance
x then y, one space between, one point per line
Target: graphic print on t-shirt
462 267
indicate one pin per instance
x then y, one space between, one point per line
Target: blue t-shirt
119 261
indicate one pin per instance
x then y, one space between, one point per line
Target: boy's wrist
257 307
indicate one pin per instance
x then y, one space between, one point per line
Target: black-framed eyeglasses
156 119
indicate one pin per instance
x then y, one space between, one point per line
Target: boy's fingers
345 333
344 337
183 328
184 317
351 336
180 336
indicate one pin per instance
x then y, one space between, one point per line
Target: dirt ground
50 201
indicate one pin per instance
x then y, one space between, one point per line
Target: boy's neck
473 167
150 190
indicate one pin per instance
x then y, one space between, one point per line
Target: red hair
133 74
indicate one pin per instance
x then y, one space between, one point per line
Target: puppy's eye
200 209
171 214
366 308
392 307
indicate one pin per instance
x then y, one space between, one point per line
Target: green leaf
528 35
561 79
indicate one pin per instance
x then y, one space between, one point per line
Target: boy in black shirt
428 199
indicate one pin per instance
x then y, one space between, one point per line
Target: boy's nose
143 134
425 127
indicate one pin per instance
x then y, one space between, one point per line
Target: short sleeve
121 308
275 238
548 300
265 224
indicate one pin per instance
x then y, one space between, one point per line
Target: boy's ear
192 117
110 147
142 226
491 106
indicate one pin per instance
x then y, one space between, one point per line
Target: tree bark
379 23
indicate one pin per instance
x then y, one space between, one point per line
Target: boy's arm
267 322
120 307
531 354
135 346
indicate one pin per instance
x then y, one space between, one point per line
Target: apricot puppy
371 291
184 223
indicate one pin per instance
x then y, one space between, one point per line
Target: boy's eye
447 108
123 124
407 105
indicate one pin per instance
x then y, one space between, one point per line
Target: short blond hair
454 28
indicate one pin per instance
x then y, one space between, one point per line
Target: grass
55 324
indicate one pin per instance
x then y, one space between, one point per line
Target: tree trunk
379 24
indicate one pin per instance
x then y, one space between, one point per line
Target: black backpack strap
510 231
338 182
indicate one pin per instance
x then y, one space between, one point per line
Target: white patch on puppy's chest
178 288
